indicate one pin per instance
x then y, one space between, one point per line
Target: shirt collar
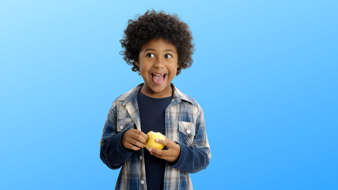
178 96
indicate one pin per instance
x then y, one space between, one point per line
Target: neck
167 92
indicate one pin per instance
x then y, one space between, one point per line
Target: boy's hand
134 139
169 155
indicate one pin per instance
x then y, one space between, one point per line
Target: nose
159 63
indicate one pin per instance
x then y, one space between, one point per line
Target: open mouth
158 78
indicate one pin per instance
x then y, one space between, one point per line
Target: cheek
174 70
172 75
143 69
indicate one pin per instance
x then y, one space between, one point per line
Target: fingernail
150 149
157 140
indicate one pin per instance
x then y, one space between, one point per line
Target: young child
158 46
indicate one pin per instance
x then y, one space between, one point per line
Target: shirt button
142 182
188 131
140 157
121 127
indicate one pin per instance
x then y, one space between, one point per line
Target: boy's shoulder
184 97
131 94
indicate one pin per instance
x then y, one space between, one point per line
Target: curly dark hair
157 25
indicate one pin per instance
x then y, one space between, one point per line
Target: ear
137 63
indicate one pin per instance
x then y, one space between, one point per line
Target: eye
167 56
150 55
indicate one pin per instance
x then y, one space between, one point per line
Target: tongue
158 79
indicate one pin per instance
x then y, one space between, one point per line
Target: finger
142 137
129 132
135 142
164 142
139 135
138 138
156 152
133 130
169 143
159 152
132 147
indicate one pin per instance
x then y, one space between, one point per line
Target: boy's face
158 63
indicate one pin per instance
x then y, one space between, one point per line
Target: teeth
158 74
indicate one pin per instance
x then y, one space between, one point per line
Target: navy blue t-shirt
152 113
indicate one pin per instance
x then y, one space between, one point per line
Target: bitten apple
151 143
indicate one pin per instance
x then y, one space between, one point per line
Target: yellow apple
151 143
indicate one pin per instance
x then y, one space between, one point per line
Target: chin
159 89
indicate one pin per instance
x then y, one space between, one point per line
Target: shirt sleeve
196 157
112 152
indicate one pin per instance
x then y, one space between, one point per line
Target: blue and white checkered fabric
184 123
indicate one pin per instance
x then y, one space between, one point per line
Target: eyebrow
170 50
154 50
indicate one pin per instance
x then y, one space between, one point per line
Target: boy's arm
112 152
194 158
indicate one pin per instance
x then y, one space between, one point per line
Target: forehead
159 45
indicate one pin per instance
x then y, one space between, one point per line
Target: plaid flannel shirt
184 123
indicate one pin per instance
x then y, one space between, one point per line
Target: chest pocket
187 132
124 124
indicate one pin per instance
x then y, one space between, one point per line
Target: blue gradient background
265 73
